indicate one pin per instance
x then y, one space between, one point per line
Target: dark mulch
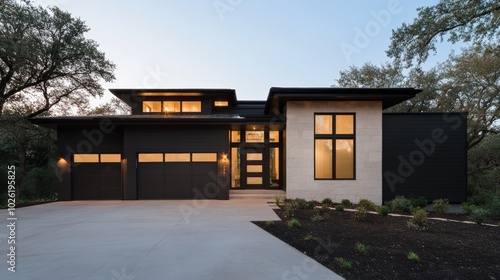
447 250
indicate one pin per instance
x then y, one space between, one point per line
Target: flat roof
134 96
278 96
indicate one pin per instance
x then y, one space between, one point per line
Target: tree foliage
476 21
45 60
469 82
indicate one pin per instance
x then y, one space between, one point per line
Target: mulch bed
447 250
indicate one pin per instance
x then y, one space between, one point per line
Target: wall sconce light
224 163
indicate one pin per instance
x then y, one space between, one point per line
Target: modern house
312 143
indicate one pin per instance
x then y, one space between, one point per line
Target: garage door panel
204 168
151 168
86 187
178 168
111 169
206 185
111 193
151 187
83 169
178 187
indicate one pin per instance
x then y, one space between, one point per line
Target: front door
253 169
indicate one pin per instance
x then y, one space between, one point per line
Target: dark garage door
177 175
96 177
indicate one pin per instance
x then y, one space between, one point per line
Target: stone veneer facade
300 152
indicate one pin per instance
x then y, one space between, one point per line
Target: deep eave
278 96
134 96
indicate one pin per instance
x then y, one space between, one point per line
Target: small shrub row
419 220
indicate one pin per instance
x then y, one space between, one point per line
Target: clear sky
247 45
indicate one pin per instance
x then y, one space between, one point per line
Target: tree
476 21
45 59
114 107
469 82
45 62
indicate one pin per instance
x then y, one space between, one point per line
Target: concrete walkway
125 240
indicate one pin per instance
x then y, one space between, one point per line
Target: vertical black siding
425 155
150 139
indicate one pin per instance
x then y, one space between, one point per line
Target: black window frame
333 136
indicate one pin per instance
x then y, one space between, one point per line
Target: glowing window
191 106
254 156
177 157
85 158
171 106
235 136
254 136
111 158
221 103
151 106
204 157
274 136
150 157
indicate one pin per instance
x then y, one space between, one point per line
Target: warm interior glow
235 167
344 159
221 103
254 168
235 136
323 159
254 180
344 124
177 157
323 124
150 157
151 106
85 158
191 106
254 156
111 158
204 157
274 136
171 106
274 164
254 136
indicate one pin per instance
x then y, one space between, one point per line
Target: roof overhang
279 96
134 96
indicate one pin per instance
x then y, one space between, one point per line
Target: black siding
414 163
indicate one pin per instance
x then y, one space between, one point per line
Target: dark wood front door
253 168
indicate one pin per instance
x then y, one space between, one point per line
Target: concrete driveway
125 240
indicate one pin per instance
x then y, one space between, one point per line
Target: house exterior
312 143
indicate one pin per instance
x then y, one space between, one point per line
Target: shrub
324 209
309 237
413 257
399 204
368 205
346 202
317 218
327 201
339 208
440 205
418 201
270 223
361 214
290 209
362 248
467 208
277 200
294 223
479 215
343 263
304 204
419 220
383 211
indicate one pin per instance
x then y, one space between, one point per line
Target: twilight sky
247 45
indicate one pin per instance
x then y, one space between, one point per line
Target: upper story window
334 146
221 103
171 106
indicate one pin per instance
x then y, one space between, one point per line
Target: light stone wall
300 152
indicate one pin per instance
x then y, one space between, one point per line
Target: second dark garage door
177 175
96 177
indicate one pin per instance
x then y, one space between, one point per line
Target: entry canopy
278 96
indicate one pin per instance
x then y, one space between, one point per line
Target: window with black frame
334 146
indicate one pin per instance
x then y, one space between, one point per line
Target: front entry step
256 194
